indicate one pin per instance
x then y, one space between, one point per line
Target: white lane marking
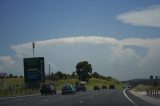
91 97
97 94
18 97
81 101
84 98
45 100
128 98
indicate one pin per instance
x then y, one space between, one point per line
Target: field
19 82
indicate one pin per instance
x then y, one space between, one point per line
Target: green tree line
83 72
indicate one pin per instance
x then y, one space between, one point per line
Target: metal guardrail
153 92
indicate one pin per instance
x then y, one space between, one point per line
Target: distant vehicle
111 87
68 89
96 88
129 86
104 87
81 86
124 87
48 89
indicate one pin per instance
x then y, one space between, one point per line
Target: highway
90 98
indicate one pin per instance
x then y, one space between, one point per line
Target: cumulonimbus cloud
149 16
80 39
147 43
103 52
23 48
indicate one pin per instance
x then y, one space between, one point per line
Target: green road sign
34 70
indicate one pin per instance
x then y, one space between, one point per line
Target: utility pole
33 45
49 74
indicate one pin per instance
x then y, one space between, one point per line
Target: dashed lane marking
91 97
81 101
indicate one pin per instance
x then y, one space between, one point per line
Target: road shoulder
143 96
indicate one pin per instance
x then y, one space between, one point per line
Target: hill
19 83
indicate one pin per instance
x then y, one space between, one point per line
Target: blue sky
24 21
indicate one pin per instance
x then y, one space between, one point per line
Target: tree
73 75
58 76
53 76
15 76
83 70
10 76
20 76
95 75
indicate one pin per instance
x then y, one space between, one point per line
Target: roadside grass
99 82
142 87
15 86
91 83
10 82
59 84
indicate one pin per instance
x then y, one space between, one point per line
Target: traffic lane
108 97
70 100
40 100
102 98
26 100
137 101
76 100
46 99
73 100
93 98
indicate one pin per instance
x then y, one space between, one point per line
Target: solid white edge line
128 98
17 97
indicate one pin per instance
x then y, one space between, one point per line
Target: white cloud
107 55
6 63
149 16
141 42
24 49
6 60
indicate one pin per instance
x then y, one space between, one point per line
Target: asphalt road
90 98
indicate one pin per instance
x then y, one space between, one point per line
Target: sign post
2 76
33 45
49 75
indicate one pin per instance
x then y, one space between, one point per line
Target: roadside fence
153 92
18 92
